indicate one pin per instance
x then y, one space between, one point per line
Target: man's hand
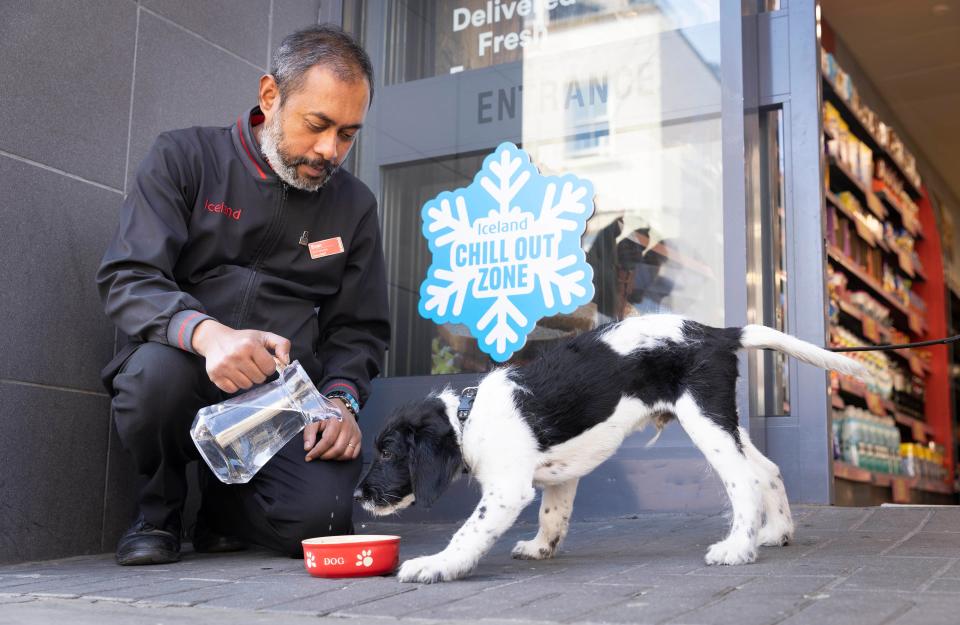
238 359
339 440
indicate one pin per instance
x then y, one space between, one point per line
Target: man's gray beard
271 137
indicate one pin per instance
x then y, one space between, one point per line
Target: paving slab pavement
870 566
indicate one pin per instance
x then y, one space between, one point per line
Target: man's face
307 136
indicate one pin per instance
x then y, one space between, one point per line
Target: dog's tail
762 337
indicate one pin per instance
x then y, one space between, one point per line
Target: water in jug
238 436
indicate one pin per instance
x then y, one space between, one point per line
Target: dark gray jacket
209 231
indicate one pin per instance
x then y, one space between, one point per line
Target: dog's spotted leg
733 467
498 509
777 527
555 509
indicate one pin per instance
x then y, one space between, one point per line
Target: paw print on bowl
364 558
311 561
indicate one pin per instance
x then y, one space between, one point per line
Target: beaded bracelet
348 400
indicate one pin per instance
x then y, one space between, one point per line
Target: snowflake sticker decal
506 251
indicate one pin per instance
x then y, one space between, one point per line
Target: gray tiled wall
85 87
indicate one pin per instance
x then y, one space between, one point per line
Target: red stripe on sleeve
352 390
183 327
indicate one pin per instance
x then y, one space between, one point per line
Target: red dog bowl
351 556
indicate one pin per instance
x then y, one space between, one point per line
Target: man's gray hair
324 45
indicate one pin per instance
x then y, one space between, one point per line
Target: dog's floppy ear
434 457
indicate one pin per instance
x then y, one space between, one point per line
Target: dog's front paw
733 550
533 550
776 533
431 569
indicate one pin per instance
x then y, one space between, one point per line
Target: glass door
624 93
632 95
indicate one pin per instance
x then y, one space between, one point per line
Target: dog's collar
467 396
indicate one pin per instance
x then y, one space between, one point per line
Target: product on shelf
903 243
923 461
887 182
852 153
908 388
856 237
896 285
867 440
870 306
872 442
836 283
844 234
870 223
917 303
915 262
884 135
877 363
898 238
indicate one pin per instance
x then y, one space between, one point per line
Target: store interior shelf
853 473
916 425
875 196
932 486
893 204
917 365
922 368
893 257
866 193
834 201
855 390
885 407
852 267
878 208
907 256
855 313
863 133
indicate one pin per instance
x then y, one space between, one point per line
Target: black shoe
147 544
206 540
216 497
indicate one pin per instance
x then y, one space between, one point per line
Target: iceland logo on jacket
506 251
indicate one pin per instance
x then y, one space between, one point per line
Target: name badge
327 247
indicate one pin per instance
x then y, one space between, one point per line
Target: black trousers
157 391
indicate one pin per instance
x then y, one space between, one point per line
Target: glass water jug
238 436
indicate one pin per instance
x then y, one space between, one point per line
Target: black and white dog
550 422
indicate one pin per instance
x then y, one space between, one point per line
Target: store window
587 120
623 93
436 37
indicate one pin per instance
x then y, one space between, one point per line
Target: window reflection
624 93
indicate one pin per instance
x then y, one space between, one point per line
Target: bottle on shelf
867 440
